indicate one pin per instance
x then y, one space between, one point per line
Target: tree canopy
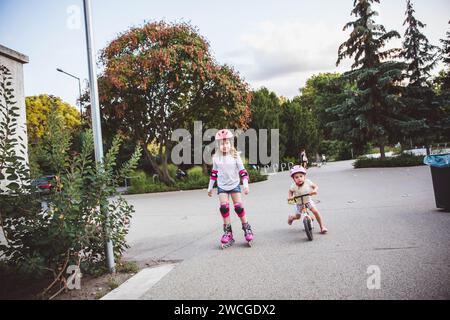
162 76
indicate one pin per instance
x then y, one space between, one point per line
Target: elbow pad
244 174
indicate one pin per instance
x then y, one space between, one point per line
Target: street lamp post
95 114
79 87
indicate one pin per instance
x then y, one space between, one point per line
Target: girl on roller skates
228 170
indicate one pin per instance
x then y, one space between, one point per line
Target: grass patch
127 267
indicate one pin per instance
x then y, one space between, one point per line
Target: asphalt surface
381 219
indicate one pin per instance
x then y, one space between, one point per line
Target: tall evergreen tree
419 96
373 112
265 113
445 57
419 54
442 83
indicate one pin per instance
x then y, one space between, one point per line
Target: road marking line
139 284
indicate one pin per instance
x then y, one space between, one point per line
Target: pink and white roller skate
248 233
227 238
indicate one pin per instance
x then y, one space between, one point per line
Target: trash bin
440 173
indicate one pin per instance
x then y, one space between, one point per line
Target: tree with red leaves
162 76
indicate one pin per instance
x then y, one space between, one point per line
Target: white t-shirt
228 169
305 188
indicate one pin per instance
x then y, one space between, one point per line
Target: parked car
44 184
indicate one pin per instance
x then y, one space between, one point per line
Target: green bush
195 173
138 182
335 150
403 160
142 183
72 229
172 170
254 174
195 179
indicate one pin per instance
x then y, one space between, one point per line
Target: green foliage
299 129
266 114
321 92
141 183
289 160
419 54
419 96
196 179
403 160
72 229
160 77
196 173
255 175
335 149
127 267
39 109
13 167
374 110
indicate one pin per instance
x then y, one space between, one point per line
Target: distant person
324 159
303 158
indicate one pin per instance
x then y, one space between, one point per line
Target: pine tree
442 83
417 51
373 112
445 57
419 96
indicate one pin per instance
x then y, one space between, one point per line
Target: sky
277 44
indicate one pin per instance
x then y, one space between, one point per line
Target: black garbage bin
440 173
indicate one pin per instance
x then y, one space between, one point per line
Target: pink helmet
297 169
224 134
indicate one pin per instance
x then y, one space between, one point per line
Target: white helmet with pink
224 134
297 169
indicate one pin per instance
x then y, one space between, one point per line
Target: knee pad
239 209
225 209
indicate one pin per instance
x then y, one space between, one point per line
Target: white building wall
14 61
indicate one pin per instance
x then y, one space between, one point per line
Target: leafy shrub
196 174
335 150
172 170
138 182
288 160
403 160
195 179
254 174
72 228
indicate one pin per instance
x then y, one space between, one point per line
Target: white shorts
310 205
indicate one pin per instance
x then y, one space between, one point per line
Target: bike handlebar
303 195
294 200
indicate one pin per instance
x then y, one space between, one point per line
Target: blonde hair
234 153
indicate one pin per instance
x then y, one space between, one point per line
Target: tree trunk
165 169
205 169
162 173
382 153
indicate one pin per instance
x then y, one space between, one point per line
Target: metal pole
79 97
95 112
79 86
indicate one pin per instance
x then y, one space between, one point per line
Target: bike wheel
308 228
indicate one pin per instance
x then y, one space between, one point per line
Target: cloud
272 50
283 56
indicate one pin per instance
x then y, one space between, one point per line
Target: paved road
382 217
